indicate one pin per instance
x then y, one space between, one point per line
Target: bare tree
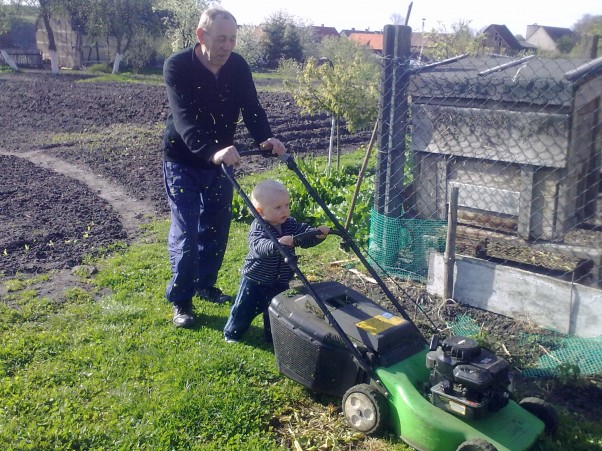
397 19
459 40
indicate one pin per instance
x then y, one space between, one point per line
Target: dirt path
131 211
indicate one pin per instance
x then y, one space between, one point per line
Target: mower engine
466 380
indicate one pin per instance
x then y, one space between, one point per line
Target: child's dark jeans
251 300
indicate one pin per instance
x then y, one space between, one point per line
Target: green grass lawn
105 368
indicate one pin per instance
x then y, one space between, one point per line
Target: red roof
373 40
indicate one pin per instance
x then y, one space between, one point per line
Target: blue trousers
201 209
251 300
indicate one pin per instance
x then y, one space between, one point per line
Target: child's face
276 209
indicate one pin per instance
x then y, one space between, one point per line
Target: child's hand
286 240
325 231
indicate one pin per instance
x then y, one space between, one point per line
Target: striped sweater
264 264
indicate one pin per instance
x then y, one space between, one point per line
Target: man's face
218 41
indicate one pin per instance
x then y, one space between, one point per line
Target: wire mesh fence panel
519 136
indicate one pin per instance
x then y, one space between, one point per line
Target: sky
345 14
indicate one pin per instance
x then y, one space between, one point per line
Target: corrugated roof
531 80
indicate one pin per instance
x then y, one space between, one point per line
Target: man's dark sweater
205 109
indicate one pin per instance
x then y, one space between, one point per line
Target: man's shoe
183 315
215 295
230 340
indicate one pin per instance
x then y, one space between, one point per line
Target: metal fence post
384 118
393 120
449 256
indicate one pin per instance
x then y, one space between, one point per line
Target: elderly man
208 88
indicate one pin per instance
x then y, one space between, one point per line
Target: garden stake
360 176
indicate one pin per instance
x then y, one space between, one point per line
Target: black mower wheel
476 445
544 411
365 409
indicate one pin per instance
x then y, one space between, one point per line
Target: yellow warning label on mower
379 323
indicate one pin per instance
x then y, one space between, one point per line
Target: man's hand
229 156
325 231
273 144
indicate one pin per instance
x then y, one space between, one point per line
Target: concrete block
550 303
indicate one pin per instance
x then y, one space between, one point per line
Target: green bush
101 68
336 191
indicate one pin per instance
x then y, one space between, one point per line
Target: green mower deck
427 427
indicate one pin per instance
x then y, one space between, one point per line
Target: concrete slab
550 303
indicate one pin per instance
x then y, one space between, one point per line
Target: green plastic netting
563 352
464 325
584 353
401 246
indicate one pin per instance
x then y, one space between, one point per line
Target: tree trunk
54 63
9 60
338 125
117 62
119 52
331 144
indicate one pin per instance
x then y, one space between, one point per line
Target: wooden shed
520 138
75 49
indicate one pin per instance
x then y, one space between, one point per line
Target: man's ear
199 34
259 210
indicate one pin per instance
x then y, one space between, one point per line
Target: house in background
500 41
347 32
548 38
322 32
373 40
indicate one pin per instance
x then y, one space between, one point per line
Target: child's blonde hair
264 191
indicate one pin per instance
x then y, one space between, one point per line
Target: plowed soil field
56 190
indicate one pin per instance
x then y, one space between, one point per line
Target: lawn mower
438 394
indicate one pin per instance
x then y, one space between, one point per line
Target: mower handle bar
267 153
312 233
291 261
348 241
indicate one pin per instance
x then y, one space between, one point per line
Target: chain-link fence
520 139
